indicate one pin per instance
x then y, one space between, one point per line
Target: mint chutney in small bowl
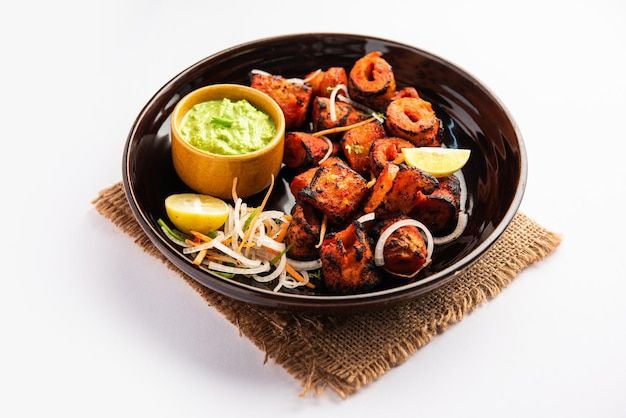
224 131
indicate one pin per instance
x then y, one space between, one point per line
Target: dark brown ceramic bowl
472 117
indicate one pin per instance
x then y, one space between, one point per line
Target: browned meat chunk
337 191
303 233
356 145
439 211
345 114
371 81
325 81
405 251
383 185
348 261
386 150
402 197
405 92
303 150
414 119
292 98
302 180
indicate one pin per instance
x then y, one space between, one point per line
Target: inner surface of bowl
472 118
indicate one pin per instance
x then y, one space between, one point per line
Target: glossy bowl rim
270 146
359 300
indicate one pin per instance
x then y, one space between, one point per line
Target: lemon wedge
440 162
196 212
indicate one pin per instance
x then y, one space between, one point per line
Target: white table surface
92 326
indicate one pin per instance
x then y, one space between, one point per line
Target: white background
92 326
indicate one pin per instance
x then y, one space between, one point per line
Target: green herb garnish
250 218
223 122
176 234
278 256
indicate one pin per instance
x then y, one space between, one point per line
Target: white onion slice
291 283
174 239
277 272
379 259
259 72
313 75
295 80
234 254
270 243
333 97
206 245
305 265
265 266
281 280
367 217
458 231
330 149
237 216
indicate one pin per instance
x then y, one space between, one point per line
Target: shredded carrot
201 236
343 128
246 236
288 218
322 231
298 276
234 190
198 260
192 243
282 232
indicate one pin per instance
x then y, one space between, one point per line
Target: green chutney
226 127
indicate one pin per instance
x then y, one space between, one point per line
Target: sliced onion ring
206 245
259 72
333 97
379 259
277 272
234 254
461 223
265 266
367 217
330 149
270 243
305 265
313 75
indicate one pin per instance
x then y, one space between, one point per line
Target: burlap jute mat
345 353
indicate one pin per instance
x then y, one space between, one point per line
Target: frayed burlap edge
300 343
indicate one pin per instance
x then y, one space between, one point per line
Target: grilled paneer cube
292 98
384 183
303 233
303 179
356 145
325 81
403 194
439 211
415 120
337 191
386 150
303 150
405 252
345 114
371 81
348 261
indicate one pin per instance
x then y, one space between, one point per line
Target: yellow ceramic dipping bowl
213 174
